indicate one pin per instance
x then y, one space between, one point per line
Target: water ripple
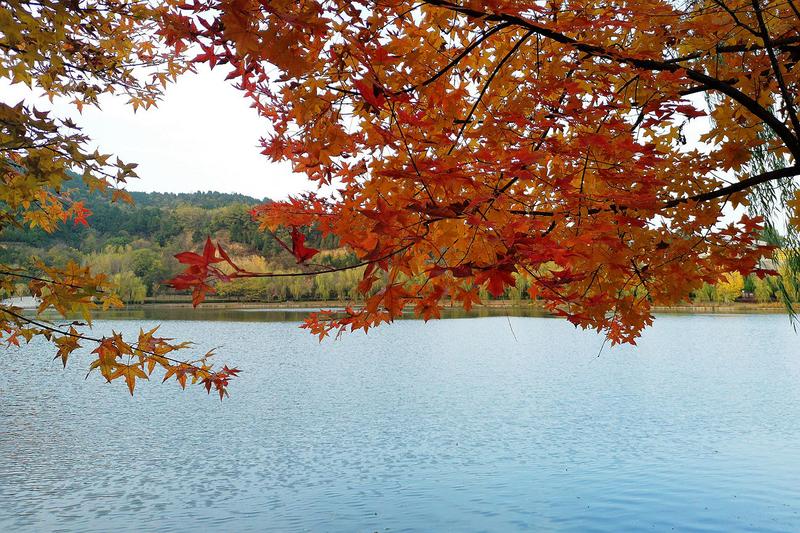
455 425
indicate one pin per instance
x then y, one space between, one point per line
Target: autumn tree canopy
468 141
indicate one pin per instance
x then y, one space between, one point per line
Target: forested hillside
157 217
135 243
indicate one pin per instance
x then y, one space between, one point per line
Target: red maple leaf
299 249
498 279
372 93
80 213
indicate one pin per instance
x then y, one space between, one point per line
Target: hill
136 242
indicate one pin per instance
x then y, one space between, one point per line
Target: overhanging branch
740 186
781 130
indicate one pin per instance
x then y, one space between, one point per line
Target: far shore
699 307
492 305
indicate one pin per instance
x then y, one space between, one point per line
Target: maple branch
389 255
491 77
735 18
465 52
780 173
44 280
780 129
787 172
541 140
735 48
794 9
92 339
411 154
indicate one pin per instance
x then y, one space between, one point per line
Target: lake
470 424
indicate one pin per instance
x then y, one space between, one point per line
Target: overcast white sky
203 136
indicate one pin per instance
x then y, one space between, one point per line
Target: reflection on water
457 425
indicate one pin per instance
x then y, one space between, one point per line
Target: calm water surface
457 425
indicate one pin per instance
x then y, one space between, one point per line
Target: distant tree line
135 245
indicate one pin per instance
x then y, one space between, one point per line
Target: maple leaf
299 249
79 214
208 257
67 344
690 111
428 308
497 279
371 92
107 354
130 373
469 297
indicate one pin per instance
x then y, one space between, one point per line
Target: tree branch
780 129
90 339
458 58
486 86
745 184
43 280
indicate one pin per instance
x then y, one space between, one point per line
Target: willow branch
787 96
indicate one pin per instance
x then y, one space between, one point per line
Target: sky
202 137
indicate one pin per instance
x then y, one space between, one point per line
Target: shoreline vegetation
183 302
527 305
136 244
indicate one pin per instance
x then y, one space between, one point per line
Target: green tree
128 287
148 266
